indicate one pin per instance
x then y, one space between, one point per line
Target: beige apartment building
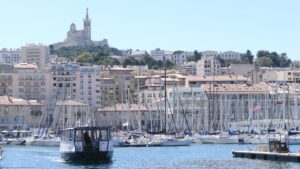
70 113
280 75
32 82
35 53
7 76
18 113
109 92
24 81
89 86
208 66
123 116
198 81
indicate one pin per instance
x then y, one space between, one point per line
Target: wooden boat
86 144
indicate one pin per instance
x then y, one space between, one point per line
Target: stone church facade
80 37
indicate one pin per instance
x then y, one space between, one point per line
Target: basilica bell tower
87 26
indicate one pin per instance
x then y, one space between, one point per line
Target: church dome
72 27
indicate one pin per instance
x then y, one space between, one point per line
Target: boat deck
292 157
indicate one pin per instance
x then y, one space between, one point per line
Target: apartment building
32 82
7 79
16 113
189 68
70 113
10 56
208 66
188 104
64 81
122 79
109 92
280 75
159 54
231 55
35 53
180 58
198 81
227 55
89 86
209 53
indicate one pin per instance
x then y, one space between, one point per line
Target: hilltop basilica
80 37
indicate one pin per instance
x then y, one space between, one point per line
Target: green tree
196 56
108 61
248 56
264 62
221 60
244 60
262 53
100 55
85 57
274 58
130 61
73 51
169 64
178 52
284 60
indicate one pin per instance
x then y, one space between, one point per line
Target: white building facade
10 56
159 54
180 58
227 55
231 55
208 66
89 87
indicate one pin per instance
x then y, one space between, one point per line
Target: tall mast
165 99
139 104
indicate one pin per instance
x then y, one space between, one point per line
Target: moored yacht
86 144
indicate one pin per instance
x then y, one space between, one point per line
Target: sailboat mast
139 104
165 99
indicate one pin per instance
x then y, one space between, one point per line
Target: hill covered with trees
103 56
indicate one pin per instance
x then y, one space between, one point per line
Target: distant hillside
74 51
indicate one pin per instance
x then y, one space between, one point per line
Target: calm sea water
195 156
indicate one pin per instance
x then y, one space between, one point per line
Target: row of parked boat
142 139
225 138
25 137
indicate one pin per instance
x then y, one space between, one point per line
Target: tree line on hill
264 58
103 56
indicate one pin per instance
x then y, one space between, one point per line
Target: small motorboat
86 144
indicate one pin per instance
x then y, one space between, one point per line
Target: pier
292 157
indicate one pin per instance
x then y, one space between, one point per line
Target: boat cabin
86 139
278 146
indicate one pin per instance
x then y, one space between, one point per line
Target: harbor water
195 156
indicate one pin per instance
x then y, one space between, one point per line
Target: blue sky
169 24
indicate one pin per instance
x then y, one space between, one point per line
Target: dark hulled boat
86 144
